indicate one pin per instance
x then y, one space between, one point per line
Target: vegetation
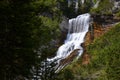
29 29
104 7
105 59
85 8
25 26
70 12
118 14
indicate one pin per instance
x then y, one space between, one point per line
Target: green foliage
104 7
67 74
118 14
95 1
85 8
105 53
70 10
67 11
25 26
105 58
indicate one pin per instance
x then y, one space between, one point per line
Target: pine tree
23 30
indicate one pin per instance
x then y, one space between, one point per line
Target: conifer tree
25 25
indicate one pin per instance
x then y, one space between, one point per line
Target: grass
105 60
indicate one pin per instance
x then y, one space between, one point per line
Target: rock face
100 25
68 59
116 7
64 24
105 19
64 28
98 30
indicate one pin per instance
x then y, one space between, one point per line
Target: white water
76 6
82 1
96 4
78 27
76 3
69 3
116 5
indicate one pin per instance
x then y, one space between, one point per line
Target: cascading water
82 1
96 4
71 49
76 6
78 27
76 3
69 3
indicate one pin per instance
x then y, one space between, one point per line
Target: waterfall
82 1
71 49
96 4
78 27
76 3
69 3
76 6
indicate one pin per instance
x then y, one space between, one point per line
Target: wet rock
116 7
64 24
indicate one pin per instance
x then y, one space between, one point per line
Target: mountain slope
105 59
